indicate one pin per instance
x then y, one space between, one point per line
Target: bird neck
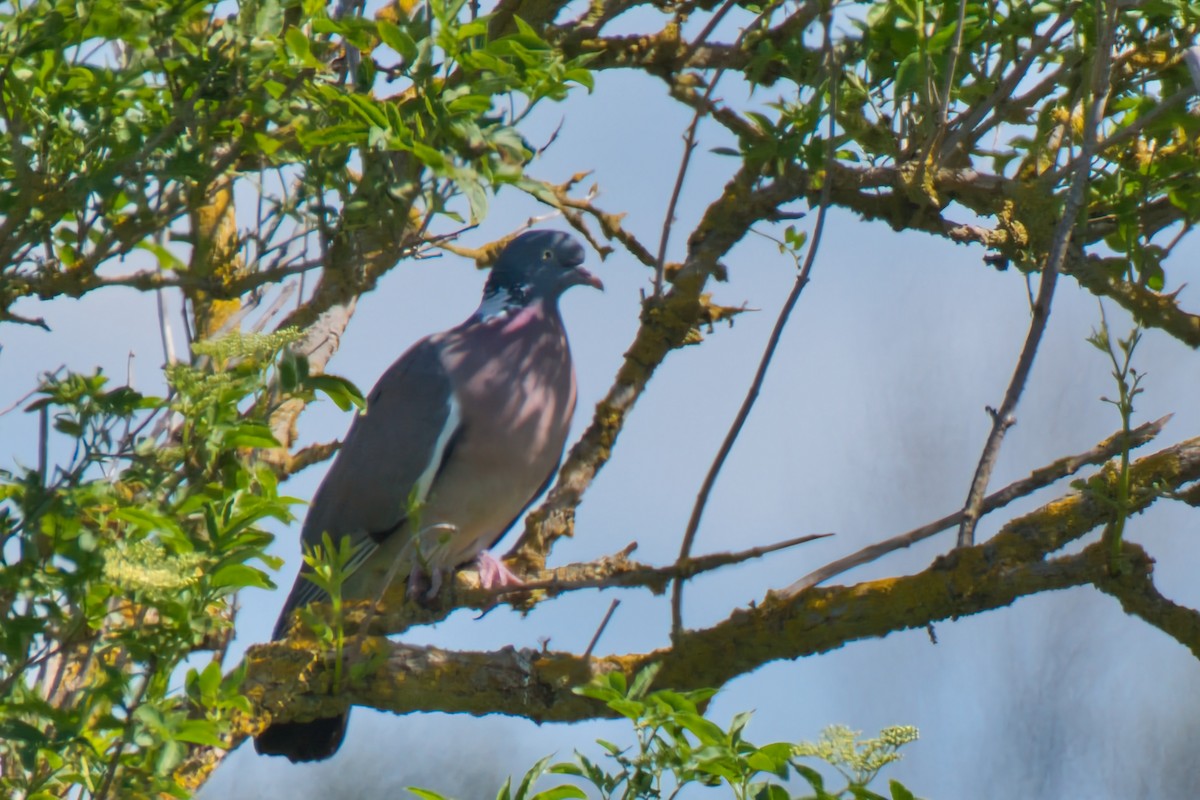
503 301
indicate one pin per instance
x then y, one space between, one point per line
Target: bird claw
493 573
423 587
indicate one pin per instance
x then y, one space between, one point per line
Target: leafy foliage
120 570
677 745
121 119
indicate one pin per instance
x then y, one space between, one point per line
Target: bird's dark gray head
539 264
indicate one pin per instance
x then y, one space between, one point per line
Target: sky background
870 423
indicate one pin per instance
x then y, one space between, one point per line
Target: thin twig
689 146
43 443
114 762
1164 106
955 48
965 124
1038 479
15 404
603 624
164 330
616 571
1002 418
689 536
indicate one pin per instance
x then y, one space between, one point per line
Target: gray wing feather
389 447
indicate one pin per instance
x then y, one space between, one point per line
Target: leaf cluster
119 569
120 120
677 746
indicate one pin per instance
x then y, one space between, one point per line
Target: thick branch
1151 309
537 684
1134 588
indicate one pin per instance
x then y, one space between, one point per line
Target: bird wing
392 453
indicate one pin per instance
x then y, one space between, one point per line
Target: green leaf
476 198
705 730
18 731
642 681
581 76
199 731
240 576
909 74
148 521
771 791
425 794
899 792
812 776
531 775
391 35
250 434
166 259
773 758
298 45
738 724
341 391
565 792
434 159
209 679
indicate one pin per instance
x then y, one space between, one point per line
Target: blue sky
870 423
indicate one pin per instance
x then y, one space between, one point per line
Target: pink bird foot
493 573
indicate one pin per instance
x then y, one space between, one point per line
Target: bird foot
423 587
493 574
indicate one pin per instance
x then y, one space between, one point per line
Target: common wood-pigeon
468 426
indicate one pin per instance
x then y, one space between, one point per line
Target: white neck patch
502 303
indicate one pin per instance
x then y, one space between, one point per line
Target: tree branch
667 323
1002 418
1134 588
397 612
735 428
537 684
1038 479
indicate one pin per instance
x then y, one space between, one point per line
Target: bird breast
515 392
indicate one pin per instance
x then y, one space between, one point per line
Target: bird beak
580 276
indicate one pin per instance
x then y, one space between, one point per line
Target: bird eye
547 255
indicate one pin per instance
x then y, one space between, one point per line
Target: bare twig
559 196
615 571
955 48
114 761
14 405
689 146
43 469
164 329
1002 418
1039 479
689 536
587 654
965 124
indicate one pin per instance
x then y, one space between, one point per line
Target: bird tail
303 741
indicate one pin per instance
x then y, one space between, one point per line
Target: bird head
540 264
